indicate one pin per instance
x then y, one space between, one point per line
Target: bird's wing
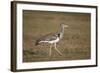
48 37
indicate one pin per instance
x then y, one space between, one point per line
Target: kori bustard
52 39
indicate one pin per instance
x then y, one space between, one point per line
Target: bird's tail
37 43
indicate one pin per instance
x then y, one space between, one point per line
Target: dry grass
75 44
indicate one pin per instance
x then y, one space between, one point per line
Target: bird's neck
61 32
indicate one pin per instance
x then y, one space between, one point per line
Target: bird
52 39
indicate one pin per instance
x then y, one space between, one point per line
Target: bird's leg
50 50
57 49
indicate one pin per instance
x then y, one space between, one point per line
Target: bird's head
63 25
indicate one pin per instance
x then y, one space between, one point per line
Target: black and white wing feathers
48 37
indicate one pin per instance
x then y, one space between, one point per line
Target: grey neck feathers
61 32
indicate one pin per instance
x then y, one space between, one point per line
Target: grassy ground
75 44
